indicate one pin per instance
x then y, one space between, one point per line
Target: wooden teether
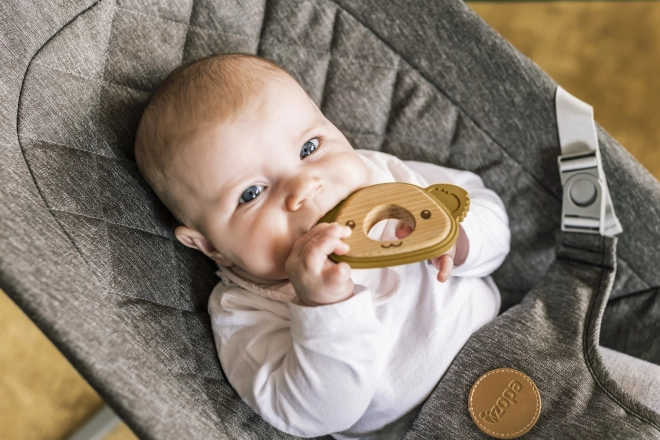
433 213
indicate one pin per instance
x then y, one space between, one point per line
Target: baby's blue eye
250 194
309 148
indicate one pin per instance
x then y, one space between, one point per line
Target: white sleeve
308 371
486 224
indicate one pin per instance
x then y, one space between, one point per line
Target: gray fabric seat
88 252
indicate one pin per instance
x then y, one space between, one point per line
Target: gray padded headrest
99 268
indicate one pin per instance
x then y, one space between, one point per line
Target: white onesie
353 367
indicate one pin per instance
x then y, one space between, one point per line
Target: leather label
504 403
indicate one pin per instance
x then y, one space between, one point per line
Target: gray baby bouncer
88 252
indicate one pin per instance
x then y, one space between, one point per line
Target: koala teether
433 213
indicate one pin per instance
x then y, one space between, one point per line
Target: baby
247 162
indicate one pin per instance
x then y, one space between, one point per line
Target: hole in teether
385 230
382 222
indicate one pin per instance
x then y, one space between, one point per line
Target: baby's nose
303 190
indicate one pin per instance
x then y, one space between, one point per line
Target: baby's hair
214 87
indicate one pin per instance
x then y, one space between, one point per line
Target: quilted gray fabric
89 253
552 336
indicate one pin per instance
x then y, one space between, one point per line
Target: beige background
605 53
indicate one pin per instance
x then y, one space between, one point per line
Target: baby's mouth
323 214
309 228
315 222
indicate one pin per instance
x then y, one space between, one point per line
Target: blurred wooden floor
605 53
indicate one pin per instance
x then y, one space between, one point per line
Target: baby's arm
307 371
486 224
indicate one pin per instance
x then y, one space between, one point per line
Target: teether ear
453 197
433 213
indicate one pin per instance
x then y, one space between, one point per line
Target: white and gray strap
586 205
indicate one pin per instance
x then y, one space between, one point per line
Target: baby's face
258 182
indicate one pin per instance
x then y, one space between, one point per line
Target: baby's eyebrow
226 192
316 124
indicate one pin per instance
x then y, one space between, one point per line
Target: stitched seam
193 375
75 148
442 92
97 110
18 139
262 27
389 107
577 260
358 62
156 17
410 141
113 270
585 347
330 57
276 42
79 75
214 31
106 221
639 292
133 298
631 269
346 60
109 83
582 248
186 25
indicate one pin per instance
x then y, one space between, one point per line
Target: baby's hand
317 279
444 263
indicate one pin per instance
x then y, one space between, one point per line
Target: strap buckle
583 205
586 204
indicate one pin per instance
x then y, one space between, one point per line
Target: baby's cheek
274 250
279 252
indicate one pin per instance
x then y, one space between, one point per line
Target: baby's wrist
462 247
308 302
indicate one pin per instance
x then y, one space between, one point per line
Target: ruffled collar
279 291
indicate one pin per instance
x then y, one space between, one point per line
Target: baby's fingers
316 251
403 230
445 264
336 274
312 234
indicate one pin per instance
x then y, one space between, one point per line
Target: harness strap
587 205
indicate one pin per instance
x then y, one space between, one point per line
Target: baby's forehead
227 127
209 106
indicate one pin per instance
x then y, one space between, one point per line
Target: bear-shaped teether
433 213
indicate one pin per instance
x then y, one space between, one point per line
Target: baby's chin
269 278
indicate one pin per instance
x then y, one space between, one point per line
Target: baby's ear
195 240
